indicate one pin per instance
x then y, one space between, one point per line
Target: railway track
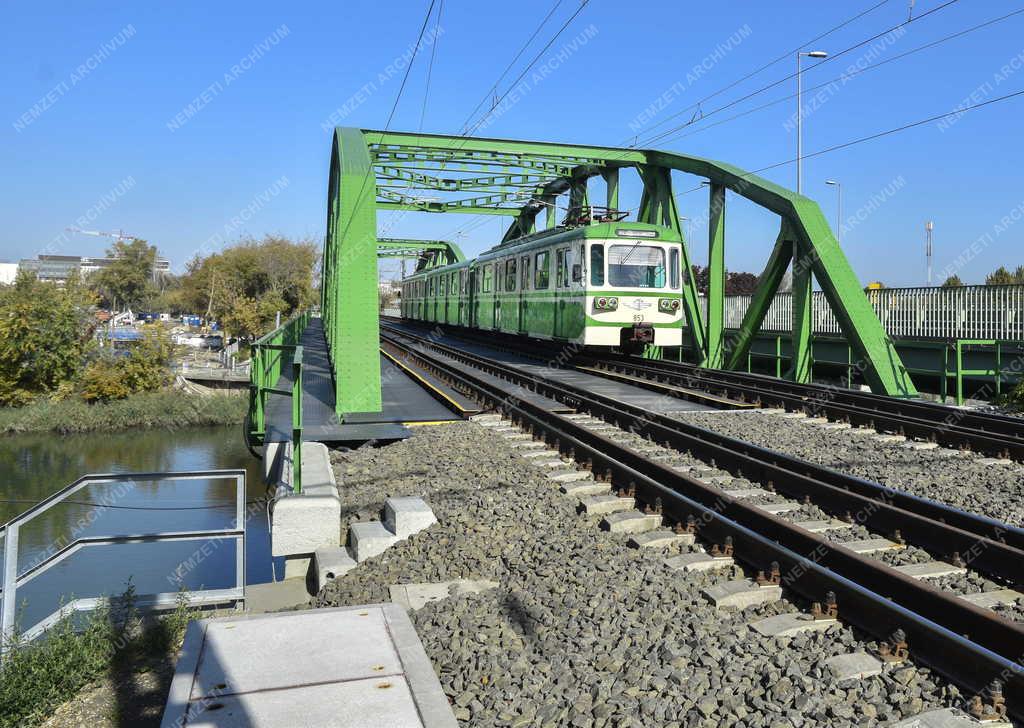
870 594
983 432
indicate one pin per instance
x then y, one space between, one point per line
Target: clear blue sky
114 141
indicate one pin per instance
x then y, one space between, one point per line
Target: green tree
1000 277
144 368
128 281
44 330
952 282
245 285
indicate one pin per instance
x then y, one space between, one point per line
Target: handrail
12 580
297 420
265 369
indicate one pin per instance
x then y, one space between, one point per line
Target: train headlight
606 304
668 305
613 303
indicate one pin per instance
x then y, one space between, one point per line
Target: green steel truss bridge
521 180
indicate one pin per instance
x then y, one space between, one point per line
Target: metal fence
13 580
967 312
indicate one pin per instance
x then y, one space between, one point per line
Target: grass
37 677
164 409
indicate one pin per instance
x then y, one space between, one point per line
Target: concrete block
870 545
915 445
369 539
340 667
930 570
526 444
794 415
948 718
548 464
815 420
486 419
514 436
296 567
660 539
994 461
747 493
276 595
741 594
572 476
415 596
540 454
833 524
836 426
699 562
330 563
406 516
603 504
303 523
789 625
853 666
631 522
777 508
999 597
889 438
584 487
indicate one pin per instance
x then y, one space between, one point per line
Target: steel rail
869 593
780 468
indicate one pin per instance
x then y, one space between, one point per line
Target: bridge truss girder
375 170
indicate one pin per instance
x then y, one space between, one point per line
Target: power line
526 45
831 57
853 73
430 66
771 63
529 65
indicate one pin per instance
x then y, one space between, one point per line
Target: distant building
58 268
8 272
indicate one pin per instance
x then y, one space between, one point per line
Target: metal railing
13 580
268 359
963 312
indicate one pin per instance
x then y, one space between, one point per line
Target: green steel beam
716 277
430 161
803 301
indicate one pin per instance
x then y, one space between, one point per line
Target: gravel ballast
582 630
957 479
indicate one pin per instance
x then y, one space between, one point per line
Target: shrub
142 369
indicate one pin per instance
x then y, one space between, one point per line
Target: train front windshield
636 266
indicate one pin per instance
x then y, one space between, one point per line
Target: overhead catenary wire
771 63
831 58
850 74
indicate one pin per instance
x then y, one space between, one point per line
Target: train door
473 298
524 287
575 306
561 292
542 307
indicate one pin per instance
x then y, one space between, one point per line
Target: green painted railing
269 356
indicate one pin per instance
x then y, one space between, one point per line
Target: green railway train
608 284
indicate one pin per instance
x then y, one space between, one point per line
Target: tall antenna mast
928 227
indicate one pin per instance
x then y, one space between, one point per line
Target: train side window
524 279
488 273
597 265
542 270
577 265
510 274
673 268
455 283
561 273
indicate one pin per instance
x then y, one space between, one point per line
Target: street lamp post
800 115
839 208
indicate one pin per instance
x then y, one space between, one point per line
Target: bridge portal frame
374 170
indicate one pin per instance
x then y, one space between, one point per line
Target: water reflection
34 466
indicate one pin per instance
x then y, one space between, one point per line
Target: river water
34 466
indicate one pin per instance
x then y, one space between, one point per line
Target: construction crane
119 235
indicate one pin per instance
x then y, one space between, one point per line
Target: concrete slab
870 545
747 492
526 444
948 718
348 667
930 570
660 539
631 522
836 426
816 421
406 516
853 666
331 562
914 445
582 488
548 464
276 595
861 431
794 415
777 508
516 436
485 419
369 538
888 438
571 476
994 461
741 594
699 562
415 596
999 597
603 504
540 454
790 624
833 524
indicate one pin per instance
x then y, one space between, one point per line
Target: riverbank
164 409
